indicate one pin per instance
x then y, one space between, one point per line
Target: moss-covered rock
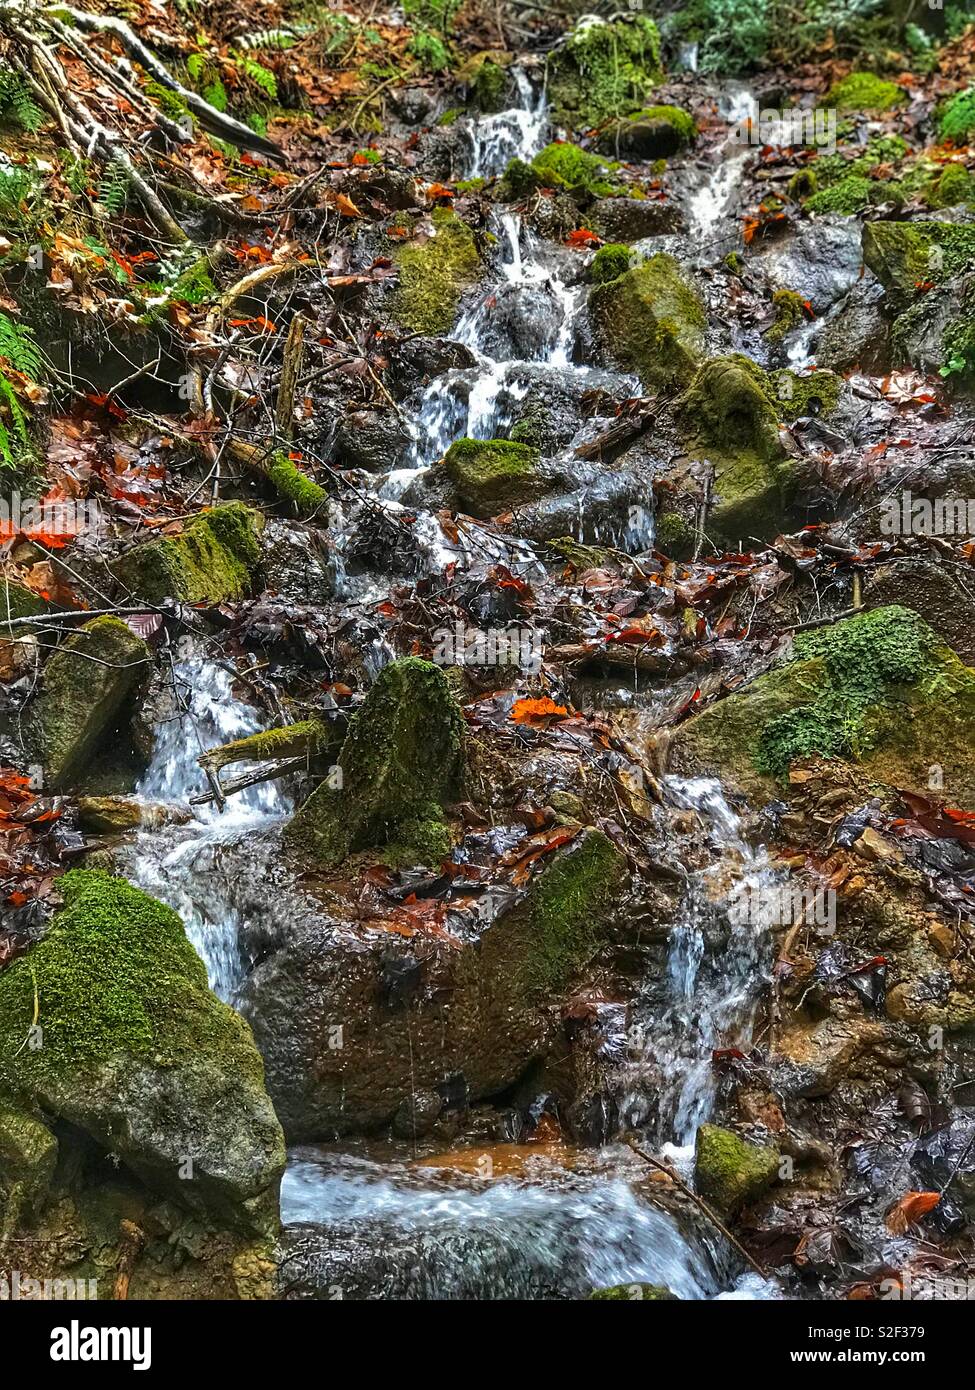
28 1157
908 256
729 1172
566 166
635 1293
674 536
305 739
880 688
651 321
789 314
609 263
108 1024
17 601
211 560
864 91
401 761
486 77
434 271
954 185
657 132
848 196
632 219
488 476
729 411
86 683
815 393
603 69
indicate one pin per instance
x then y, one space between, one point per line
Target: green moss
401 760
209 561
730 412
729 1172
434 273
651 321
490 475
562 922
954 185
488 82
863 91
306 738
734 262
533 426
674 537
957 120
957 340
789 314
17 601
635 1293
294 486
681 121
603 69
906 256
28 1155
566 166
519 181
862 160
848 196
609 262
115 974
86 683
450 116
802 185
469 185
879 688
814 393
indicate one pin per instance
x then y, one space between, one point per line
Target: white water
713 200
193 867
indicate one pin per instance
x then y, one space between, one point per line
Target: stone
651 321
729 1172
211 560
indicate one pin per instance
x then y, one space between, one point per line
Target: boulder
906 255
603 68
729 1172
488 476
402 759
880 688
632 219
933 592
822 262
651 321
731 416
108 1024
211 560
658 132
86 683
357 1025
435 267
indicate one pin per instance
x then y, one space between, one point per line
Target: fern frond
114 187
18 346
261 76
17 103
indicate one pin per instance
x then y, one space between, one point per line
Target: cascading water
193 866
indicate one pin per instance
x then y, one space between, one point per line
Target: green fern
196 66
74 170
17 105
114 187
18 346
216 94
260 75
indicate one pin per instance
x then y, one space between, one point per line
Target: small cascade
195 867
712 200
715 969
516 133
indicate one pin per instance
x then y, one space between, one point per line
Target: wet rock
859 334
932 591
296 564
922 335
212 559
86 684
490 476
435 268
28 1157
415 359
417 1114
879 688
524 323
904 255
659 132
635 1293
352 1022
387 185
731 410
402 759
139 1055
114 814
730 1172
821 263
651 321
413 105
632 219
376 440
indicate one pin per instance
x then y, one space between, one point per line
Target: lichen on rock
401 762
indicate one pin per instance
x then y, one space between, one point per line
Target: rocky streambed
519 829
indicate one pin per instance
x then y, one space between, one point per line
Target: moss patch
566 166
609 263
905 256
880 688
433 273
209 561
603 69
489 475
729 1172
789 314
635 1293
651 321
815 393
957 121
863 91
401 760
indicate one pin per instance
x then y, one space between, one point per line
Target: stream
422 1227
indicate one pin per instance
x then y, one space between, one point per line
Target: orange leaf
528 711
909 1210
582 236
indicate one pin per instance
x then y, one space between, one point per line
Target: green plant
20 195
430 51
17 105
114 186
18 352
958 117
